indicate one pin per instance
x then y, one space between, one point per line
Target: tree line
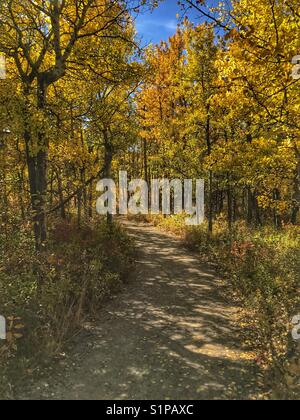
82 100
221 102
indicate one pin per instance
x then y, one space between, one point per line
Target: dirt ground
169 334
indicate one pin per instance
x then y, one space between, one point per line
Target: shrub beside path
170 334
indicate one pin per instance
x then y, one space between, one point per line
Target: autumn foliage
80 99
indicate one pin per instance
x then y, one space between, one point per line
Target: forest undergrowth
47 297
261 267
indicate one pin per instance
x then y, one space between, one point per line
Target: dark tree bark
277 217
145 150
296 193
229 206
91 201
108 158
61 196
250 210
211 176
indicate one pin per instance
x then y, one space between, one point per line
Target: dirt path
168 335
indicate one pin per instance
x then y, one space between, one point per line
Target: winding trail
170 334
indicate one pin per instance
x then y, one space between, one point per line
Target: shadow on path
169 335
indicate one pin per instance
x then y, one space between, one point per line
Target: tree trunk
108 158
37 169
91 201
210 203
21 192
61 196
31 165
79 207
258 219
296 193
211 177
249 206
145 161
277 217
230 205
42 166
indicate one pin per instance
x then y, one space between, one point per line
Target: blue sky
161 24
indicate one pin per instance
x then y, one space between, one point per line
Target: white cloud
147 24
